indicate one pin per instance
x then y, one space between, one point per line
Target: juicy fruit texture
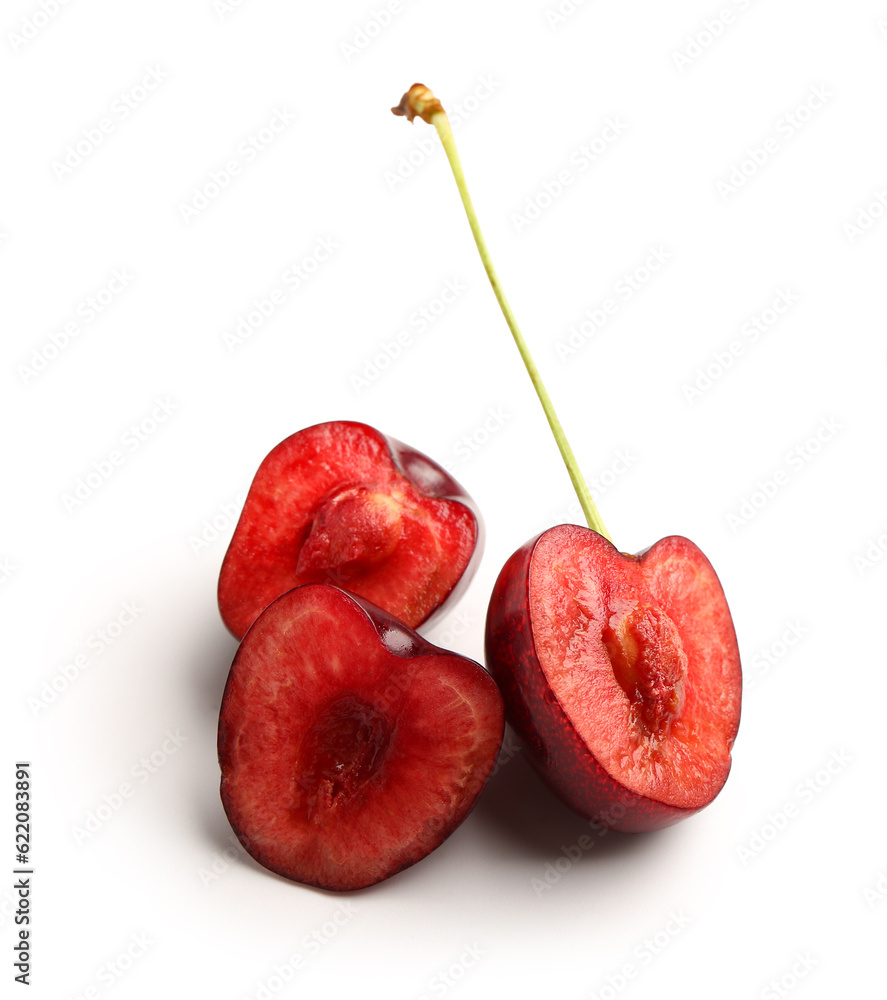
341 503
620 672
349 746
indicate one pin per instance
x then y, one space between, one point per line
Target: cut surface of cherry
349 746
341 503
621 673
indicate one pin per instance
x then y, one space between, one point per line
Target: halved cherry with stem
620 672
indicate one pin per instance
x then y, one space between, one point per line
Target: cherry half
350 747
621 673
341 503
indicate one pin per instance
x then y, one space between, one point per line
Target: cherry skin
620 673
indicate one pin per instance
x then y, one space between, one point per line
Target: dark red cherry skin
675 579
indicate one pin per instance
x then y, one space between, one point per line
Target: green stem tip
420 102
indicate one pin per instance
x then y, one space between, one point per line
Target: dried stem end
418 102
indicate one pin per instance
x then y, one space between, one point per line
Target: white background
778 882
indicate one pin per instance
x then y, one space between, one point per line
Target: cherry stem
419 101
